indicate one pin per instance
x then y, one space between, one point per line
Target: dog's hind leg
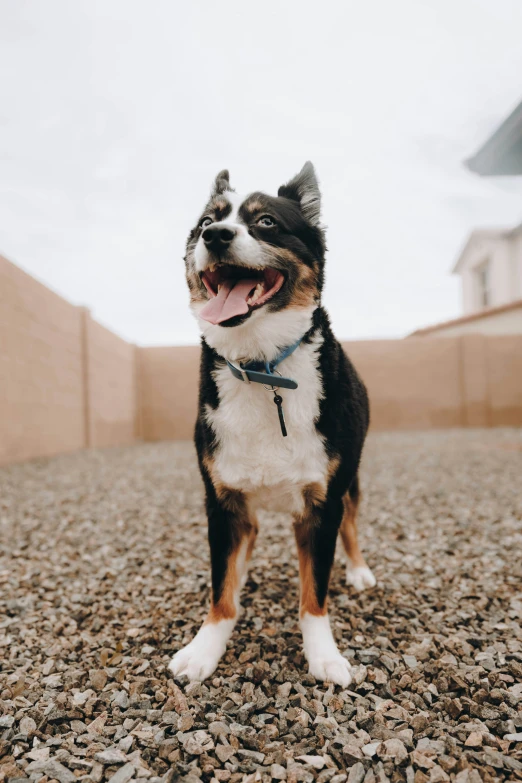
316 534
252 535
231 534
357 572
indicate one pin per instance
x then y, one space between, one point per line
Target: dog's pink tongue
230 301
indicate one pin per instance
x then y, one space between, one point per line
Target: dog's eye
207 221
266 221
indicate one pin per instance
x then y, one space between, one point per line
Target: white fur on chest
251 453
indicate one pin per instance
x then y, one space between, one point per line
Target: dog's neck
260 338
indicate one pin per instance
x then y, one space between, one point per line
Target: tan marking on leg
245 530
252 538
333 466
313 495
225 608
348 532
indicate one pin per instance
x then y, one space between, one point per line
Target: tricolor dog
282 412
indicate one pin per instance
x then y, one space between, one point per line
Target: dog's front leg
231 533
316 534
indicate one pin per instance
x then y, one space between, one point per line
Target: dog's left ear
304 188
221 183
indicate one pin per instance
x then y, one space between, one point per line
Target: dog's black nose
218 237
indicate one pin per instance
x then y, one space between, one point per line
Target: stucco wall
419 383
111 387
66 382
41 370
508 322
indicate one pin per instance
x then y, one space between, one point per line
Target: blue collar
257 371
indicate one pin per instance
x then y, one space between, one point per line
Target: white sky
116 115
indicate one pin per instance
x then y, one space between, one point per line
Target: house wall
504 254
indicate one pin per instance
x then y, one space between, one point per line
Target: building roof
481 314
501 154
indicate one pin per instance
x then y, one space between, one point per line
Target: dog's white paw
325 662
201 656
360 577
334 669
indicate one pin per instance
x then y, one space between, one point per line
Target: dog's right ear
221 183
304 188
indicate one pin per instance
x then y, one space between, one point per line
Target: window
482 278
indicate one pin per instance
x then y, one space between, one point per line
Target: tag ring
273 388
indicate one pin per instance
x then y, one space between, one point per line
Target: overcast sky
116 115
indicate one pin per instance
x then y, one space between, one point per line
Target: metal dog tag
279 402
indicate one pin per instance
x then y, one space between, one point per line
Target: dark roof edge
506 135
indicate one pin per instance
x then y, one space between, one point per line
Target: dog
282 414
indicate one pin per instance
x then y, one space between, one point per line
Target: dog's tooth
258 290
219 287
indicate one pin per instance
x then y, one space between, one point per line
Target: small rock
317 762
251 754
283 691
474 740
6 721
419 722
370 749
410 661
97 725
224 752
357 773
277 772
185 721
393 749
53 769
193 689
352 753
80 697
197 743
110 756
98 678
437 775
39 754
27 726
420 760
123 775
218 728
120 699
125 744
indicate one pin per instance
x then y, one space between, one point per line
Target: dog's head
255 264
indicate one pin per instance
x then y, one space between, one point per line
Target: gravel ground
104 575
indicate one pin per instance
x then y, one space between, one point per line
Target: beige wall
41 371
419 383
168 391
111 386
504 322
66 382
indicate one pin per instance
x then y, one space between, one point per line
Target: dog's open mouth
236 290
